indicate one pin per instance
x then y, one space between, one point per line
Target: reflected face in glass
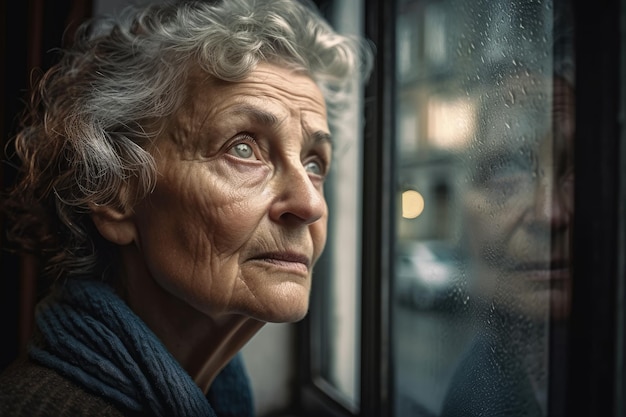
238 217
519 206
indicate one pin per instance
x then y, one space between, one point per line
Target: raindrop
511 98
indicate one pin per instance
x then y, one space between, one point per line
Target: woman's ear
114 224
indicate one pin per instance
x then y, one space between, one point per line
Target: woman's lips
291 261
542 271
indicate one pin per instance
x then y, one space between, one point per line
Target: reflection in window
485 107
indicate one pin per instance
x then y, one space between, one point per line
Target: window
492 232
484 139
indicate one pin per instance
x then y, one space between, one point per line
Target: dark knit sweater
28 389
31 390
91 355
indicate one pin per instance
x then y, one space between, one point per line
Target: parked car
427 274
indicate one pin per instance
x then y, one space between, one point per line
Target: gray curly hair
92 116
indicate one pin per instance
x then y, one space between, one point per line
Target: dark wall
31 30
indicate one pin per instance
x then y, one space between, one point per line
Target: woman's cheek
243 174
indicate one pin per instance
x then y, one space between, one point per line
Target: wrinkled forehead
523 111
515 112
285 90
267 96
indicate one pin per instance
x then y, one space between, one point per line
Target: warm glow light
412 204
450 122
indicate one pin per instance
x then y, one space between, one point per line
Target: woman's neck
202 344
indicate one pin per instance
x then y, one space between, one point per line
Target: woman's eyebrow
269 119
259 115
321 137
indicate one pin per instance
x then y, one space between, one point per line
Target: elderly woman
173 171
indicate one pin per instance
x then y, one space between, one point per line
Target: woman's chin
288 305
281 314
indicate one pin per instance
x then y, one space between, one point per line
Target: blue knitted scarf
87 333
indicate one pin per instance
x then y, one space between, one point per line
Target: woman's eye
242 150
314 167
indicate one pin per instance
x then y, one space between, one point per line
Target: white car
427 274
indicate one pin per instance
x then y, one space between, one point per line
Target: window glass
336 335
484 139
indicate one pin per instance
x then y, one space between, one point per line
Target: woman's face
238 217
519 207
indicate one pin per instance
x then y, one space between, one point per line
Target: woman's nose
298 198
551 206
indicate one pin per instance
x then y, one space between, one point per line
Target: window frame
314 396
596 359
379 208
